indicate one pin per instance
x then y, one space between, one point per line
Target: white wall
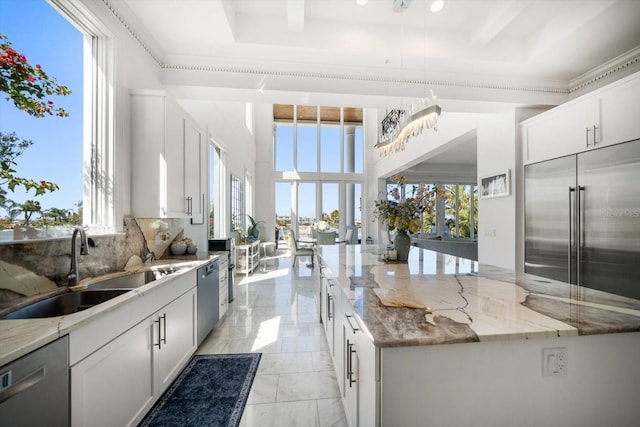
497 216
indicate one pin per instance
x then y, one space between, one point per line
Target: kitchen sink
128 281
67 303
132 280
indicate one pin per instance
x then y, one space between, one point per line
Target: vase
402 244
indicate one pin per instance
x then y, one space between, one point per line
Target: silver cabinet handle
594 135
587 130
350 372
329 303
354 329
160 323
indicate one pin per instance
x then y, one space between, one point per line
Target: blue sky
39 32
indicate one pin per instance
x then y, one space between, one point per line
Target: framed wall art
497 185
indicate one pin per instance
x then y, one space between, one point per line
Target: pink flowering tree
29 88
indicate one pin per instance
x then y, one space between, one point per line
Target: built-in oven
228 245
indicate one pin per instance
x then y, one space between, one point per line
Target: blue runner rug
211 391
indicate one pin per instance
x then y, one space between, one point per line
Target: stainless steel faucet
74 274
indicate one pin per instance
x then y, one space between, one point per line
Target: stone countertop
447 299
21 336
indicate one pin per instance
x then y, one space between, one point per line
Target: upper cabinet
167 159
594 120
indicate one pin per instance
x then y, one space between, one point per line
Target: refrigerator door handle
579 234
570 240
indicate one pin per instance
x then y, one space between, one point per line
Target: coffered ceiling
523 51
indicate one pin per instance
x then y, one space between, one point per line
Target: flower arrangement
322 226
405 216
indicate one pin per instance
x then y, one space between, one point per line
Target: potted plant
253 231
406 215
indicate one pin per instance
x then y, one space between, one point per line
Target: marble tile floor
276 312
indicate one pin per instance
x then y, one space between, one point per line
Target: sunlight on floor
267 333
264 276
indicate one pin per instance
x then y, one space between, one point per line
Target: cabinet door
567 130
99 396
620 108
193 171
223 291
147 155
174 158
174 338
351 380
368 382
329 315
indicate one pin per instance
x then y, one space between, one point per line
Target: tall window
237 204
306 212
318 143
284 147
457 210
283 204
86 139
56 151
331 203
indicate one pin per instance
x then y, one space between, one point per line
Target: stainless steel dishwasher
208 299
34 390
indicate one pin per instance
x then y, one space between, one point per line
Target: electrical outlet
554 361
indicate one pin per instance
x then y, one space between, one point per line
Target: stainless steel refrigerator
582 219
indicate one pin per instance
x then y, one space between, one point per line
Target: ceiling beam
497 22
295 15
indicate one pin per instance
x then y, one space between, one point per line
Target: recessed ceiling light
362 2
437 6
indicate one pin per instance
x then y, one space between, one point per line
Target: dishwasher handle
24 384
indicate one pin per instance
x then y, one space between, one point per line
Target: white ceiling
478 55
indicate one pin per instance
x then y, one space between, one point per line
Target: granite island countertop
447 299
21 336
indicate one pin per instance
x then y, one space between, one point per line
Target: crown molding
364 78
615 66
129 28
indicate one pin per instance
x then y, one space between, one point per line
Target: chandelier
400 125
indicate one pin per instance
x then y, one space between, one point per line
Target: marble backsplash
38 266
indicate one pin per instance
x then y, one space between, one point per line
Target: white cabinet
114 386
122 362
360 381
606 116
569 129
167 159
619 113
223 287
174 339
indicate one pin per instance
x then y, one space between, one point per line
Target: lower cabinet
114 385
174 339
120 381
355 357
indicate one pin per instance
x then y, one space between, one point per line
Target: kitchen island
443 340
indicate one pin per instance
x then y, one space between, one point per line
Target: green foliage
253 228
29 208
11 147
26 85
405 215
